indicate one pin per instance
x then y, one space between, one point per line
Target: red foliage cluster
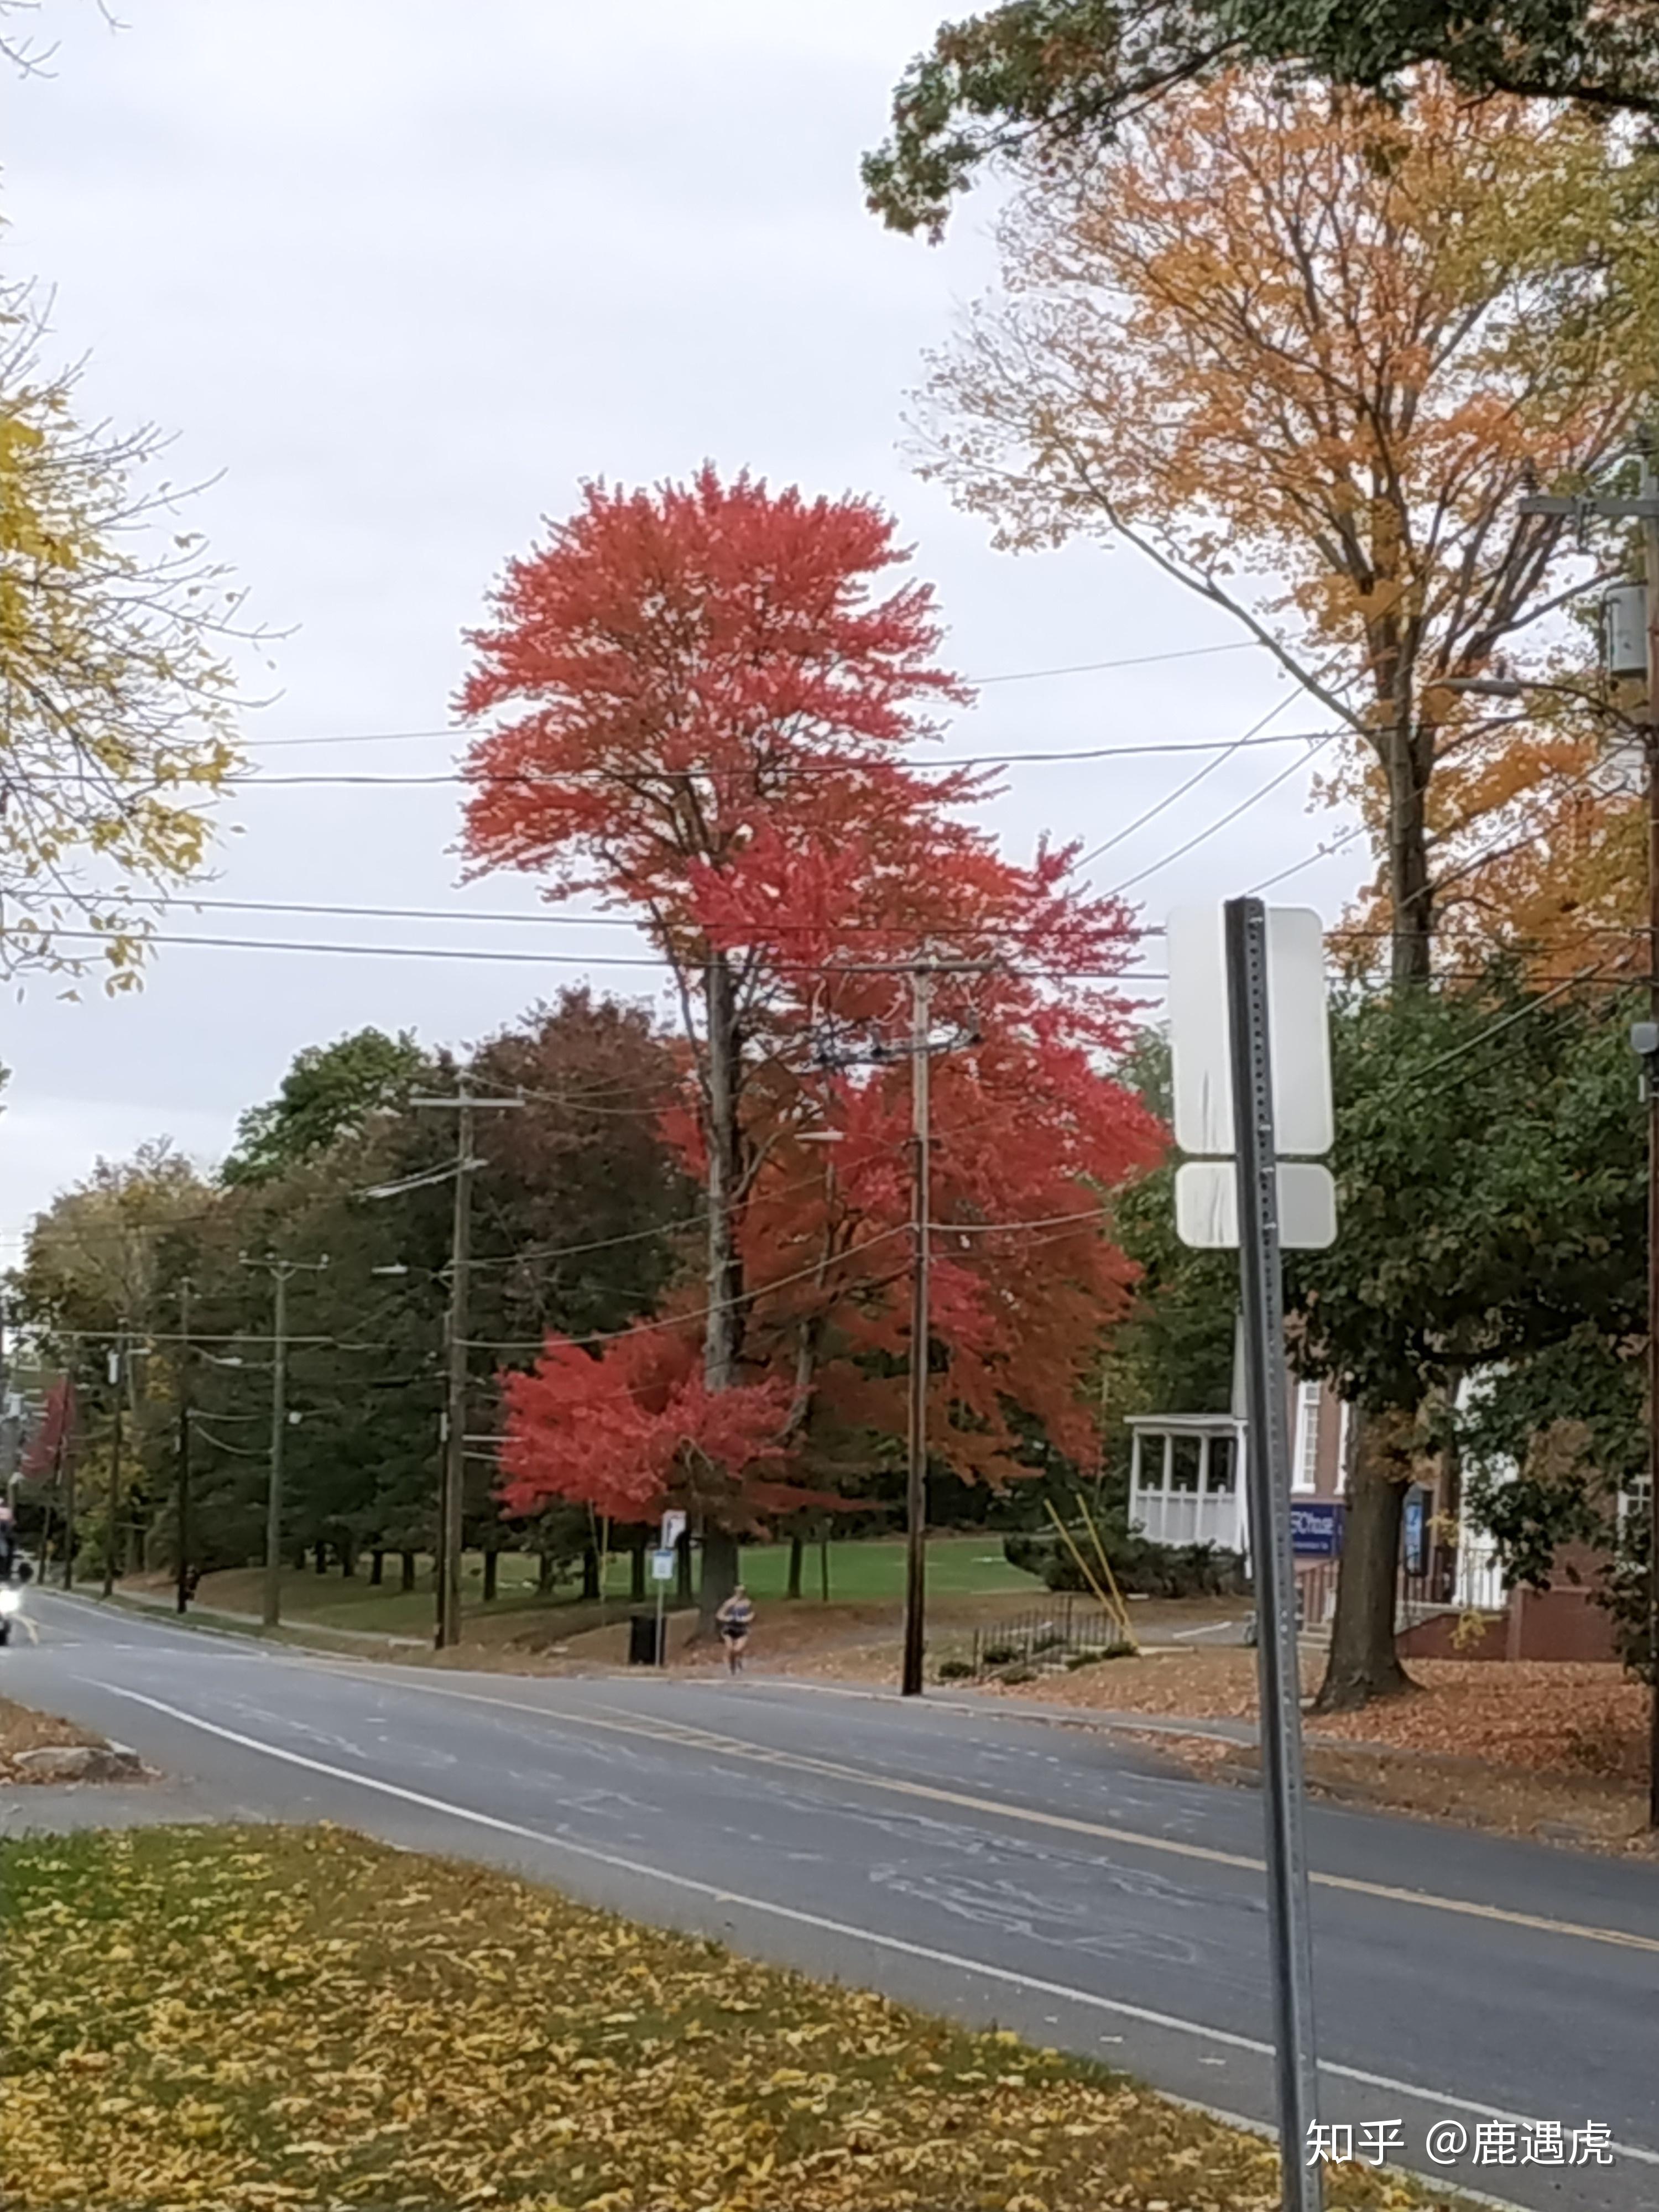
709 706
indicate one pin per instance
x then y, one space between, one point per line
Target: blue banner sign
1317 1528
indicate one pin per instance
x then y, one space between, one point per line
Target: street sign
1317 1528
663 1564
1206 1204
1415 1530
1297 1027
673 1528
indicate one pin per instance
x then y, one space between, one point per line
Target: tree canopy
1306 357
712 700
115 628
1048 83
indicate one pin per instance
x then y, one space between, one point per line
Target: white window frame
1304 1464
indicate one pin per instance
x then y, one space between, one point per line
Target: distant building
1186 1486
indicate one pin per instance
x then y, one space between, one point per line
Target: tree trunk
636 1591
376 1567
348 1551
1364 1663
322 1557
302 1557
796 1548
720 1570
823 1566
491 1567
590 1574
543 1574
1407 760
683 1591
406 1571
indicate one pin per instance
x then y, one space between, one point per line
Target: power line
975 683
1202 837
1191 784
548 779
493 953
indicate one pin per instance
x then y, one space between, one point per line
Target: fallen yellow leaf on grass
307 2018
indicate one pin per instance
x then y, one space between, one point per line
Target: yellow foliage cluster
1307 351
254 2020
115 683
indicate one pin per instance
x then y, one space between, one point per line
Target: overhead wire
974 683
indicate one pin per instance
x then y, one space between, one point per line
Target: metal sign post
663 1563
1268 1473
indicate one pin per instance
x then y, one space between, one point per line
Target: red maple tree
708 703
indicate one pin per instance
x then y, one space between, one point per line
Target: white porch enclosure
1186 1479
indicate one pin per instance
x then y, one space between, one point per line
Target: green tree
1491 1178
1048 83
332 1091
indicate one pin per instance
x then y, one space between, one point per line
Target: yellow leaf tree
1305 351
115 680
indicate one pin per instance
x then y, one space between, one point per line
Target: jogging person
735 1618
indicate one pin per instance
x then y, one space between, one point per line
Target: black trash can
642 1648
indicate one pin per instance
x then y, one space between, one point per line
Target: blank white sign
1298 1031
1206 1205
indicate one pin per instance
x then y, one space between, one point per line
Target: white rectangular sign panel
1206 1204
673 1528
1298 1032
662 1565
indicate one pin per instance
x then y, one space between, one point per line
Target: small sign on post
673 1528
662 1564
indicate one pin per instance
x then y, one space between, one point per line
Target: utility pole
182 1512
915 1482
451 1494
922 973
117 1373
281 1272
70 1446
1644 510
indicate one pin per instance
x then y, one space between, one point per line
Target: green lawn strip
248 2018
870 1570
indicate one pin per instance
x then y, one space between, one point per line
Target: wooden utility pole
1650 571
915 1483
1644 510
182 1512
281 1272
117 1375
452 1491
922 973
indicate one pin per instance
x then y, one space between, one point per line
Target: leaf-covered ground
254 2019
21 1729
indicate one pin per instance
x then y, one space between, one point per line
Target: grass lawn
867 1572
247 2019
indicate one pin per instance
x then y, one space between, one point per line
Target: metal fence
1434 1588
1052 1635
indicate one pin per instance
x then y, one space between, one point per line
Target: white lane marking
658 1730
1440 2099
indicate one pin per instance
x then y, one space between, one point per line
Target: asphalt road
985 1866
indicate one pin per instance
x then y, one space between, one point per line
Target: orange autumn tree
708 697
1305 352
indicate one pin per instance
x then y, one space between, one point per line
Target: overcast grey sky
404 274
